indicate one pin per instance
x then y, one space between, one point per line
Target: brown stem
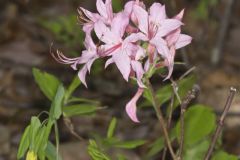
70 126
190 96
168 124
161 119
221 122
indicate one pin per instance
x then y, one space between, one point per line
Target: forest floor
25 43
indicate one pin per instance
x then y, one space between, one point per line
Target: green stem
161 119
57 139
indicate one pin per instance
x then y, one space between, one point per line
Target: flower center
152 30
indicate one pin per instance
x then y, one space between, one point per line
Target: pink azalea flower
121 40
124 52
87 58
105 15
155 25
176 40
128 9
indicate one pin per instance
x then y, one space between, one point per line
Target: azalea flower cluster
134 39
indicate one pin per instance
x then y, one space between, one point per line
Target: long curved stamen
61 58
66 58
82 18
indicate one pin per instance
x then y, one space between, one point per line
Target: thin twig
190 96
221 122
187 73
161 119
170 112
175 90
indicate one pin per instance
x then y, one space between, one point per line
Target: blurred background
28 27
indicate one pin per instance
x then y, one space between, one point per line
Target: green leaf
196 152
159 144
33 131
46 82
83 100
40 137
75 83
111 128
164 93
129 144
121 157
44 141
79 109
56 107
184 86
156 147
221 155
148 96
95 152
199 122
51 152
24 143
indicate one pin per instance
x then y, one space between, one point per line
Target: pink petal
173 37
147 65
89 44
109 9
100 29
82 75
141 4
102 8
130 49
161 46
131 107
86 56
183 40
119 24
142 18
88 27
179 16
104 34
74 66
134 37
157 13
108 62
123 63
170 62
141 53
89 63
129 7
168 26
137 67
